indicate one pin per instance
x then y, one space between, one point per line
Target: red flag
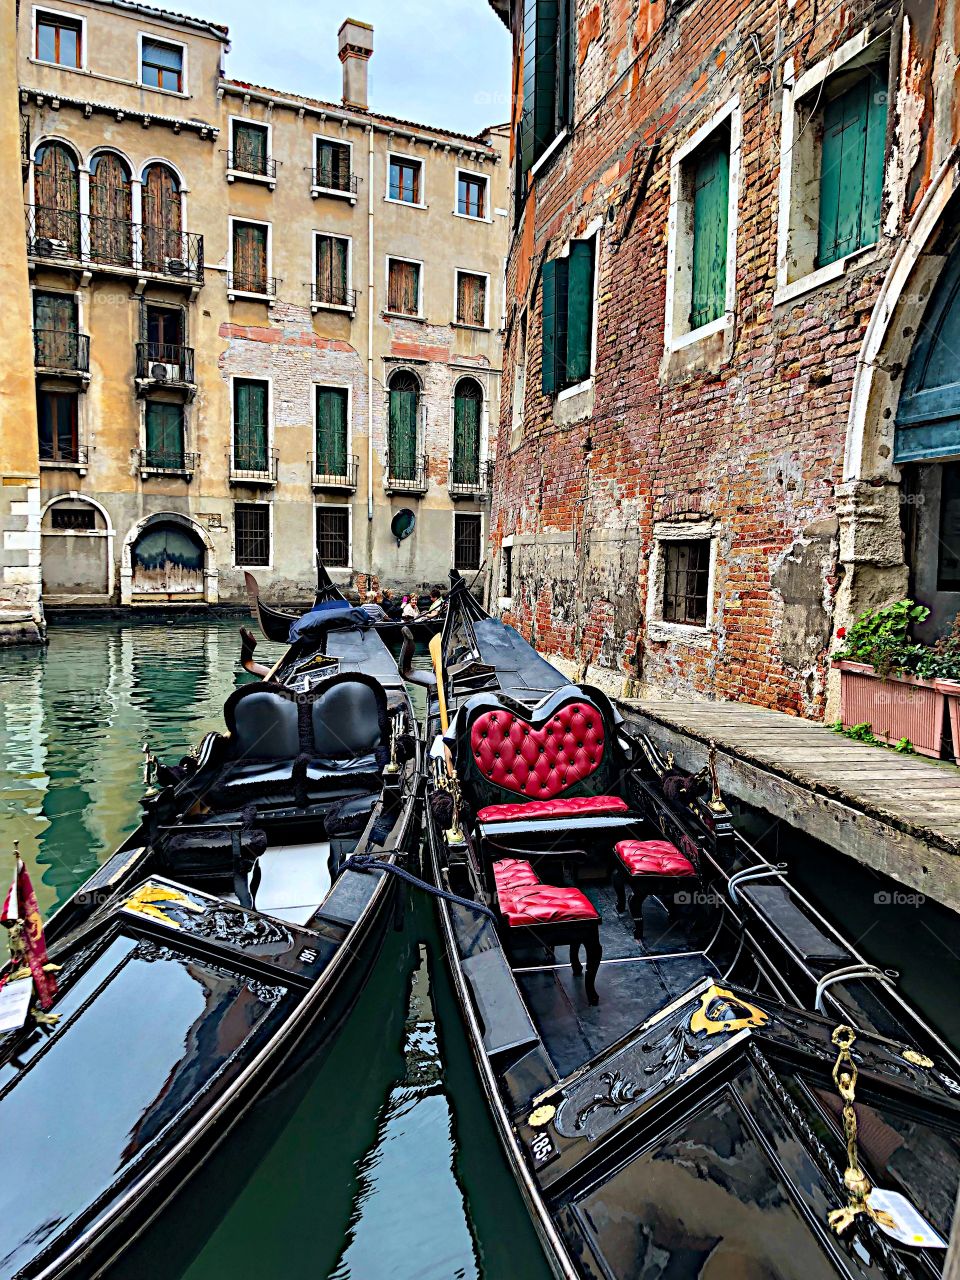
20 906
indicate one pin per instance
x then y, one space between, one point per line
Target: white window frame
407 204
234 175
341 506
251 377
453 537
404 315
315 386
44 9
243 293
593 232
346 309
677 333
799 200
175 44
505 602
679 531
463 324
315 189
256 502
485 178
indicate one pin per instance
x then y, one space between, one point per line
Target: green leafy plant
905 747
860 733
881 638
943 658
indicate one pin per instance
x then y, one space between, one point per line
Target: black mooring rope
364 862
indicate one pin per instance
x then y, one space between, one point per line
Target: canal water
380 1161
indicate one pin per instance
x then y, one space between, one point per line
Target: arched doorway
162 216
56 195
167 561
111 210
467 418
76 551
403 426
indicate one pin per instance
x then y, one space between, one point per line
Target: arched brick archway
163 584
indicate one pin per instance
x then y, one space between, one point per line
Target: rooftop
169 15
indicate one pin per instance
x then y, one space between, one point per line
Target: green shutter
466 437
711 186
579 310
250 426
851 170
331 431
548 289
873 161
403 433
164 424
538 120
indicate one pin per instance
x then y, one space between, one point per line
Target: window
250 148
59 39
57 426
507 553
466 541
249 266
686 578
467 418
56 193
111 210
164 332
161 65
73 518
251 533
547 79
251 432
404 413
164 431
471 195
333 165
333 536
471 299
851 169
162 218
403 287
333 271
710 178
405 180
331 431
567 293
55 338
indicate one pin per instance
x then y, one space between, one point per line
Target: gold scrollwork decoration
150 899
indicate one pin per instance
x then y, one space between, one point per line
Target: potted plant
943 665
887 679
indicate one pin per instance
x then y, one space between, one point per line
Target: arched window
111 210
162 217
467 415
56 194
404 415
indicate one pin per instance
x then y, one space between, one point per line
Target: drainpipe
370 312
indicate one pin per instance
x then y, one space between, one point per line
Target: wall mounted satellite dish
403 524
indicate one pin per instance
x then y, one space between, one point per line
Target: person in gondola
409 612
436 603
391 605
372 608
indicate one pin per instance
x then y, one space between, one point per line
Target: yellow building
265 327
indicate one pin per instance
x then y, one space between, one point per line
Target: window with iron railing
251 534
331 431
57 425
406 180
467 541
249 267
686 577
249 154
251 430
467 420
333 536
164 436
332 169
333 271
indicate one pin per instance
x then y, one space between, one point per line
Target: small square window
466 541
471 196
471 299
686 579
161 65
59 39
333 536
251 526
74 518
405 179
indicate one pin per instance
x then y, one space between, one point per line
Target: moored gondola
714 1081
223 943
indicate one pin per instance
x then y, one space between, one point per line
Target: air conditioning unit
161 372
175 267
47 247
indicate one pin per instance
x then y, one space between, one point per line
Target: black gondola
682 1108
219 946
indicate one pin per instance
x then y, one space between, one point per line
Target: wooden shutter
332 270
580 309
164 434
250 426
111 211
467 408
851 170
331 431
55 322
402 445
554 310
250 257
471 299
403 287
57 196
711 176
538 121
873 161
250 148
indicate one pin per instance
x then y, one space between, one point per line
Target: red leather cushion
545 904
542 760
513 873
575 807
653 858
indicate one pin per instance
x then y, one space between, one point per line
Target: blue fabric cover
334 615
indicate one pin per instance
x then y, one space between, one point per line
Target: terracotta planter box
951 691
895 707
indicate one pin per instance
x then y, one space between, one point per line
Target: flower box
951 692
895 707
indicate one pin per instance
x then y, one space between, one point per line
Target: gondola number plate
909 1227
14 1003
541 1149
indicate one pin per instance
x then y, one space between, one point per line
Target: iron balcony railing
468 478
61 235
61 350
329 473
165 362
77 456
170 462
253 466
256 166
326 180
333 295
404 477
244 282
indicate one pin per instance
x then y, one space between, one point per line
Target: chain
857 1183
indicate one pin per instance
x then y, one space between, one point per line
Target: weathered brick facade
772 433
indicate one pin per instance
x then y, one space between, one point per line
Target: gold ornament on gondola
396 728
857 1183
716 800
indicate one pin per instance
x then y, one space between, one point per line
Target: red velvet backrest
538 761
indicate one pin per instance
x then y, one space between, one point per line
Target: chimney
356 46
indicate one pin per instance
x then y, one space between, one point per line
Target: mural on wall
168 559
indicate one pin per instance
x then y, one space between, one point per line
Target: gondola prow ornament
28 948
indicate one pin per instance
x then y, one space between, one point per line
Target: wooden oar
436 657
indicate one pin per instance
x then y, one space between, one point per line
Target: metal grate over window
251 527
685 581
466 542
333 536
73 518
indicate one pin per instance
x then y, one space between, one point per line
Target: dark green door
402 444
331 431
467 409
164 435
250 425
710 208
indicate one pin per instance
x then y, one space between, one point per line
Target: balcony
250 168
259 288
324 182
58 237
326 474
165 364
327 297
153 463
401 477
469 479
258 469
62 353
75 459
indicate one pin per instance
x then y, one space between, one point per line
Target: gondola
714 1082
276 623
220 946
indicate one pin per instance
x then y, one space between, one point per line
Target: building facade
265 327
732 411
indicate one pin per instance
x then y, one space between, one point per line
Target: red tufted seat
544 904
650 867
574 807
653 858
538 760
513 873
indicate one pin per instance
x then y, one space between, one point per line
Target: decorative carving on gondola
716 800
716 1004
266 992
152 951
618 1093
241 928
856 1182
157 901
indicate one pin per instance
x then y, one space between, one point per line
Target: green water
381 1160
